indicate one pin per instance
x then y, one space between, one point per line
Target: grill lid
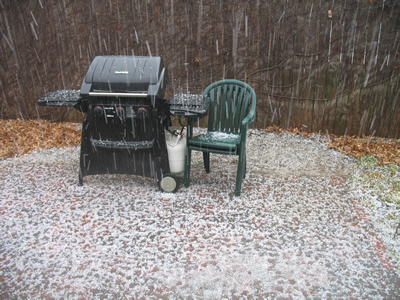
129 76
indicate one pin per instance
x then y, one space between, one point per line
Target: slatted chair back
231 103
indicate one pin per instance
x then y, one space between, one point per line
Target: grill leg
80 179
187 167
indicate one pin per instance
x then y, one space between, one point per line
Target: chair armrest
249 120
244 126
246 123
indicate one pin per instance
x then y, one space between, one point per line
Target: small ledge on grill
68 98
189 105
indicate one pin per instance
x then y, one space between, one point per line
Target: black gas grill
126 117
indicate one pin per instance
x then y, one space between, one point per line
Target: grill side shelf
122 144
68 98
188 105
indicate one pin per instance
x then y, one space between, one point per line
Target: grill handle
103 94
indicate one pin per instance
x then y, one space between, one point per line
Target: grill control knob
142 112
120 111
98 111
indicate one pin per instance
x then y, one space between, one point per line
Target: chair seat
216 140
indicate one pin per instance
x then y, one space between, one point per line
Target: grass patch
382 181
380 187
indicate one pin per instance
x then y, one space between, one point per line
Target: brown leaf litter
19 137
386 151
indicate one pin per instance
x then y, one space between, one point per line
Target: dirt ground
297 231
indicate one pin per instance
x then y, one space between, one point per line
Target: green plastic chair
232 110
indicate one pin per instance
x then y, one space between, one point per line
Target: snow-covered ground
298 230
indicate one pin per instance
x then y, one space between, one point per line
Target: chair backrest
231 103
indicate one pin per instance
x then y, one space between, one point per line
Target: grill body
123 129
119 140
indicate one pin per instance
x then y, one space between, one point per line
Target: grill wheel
169 183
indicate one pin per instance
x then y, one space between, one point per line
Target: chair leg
187 168
206 159
239 176
245 167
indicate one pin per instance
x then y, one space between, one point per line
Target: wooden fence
318 65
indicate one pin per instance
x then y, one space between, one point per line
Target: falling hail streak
148 47
200 21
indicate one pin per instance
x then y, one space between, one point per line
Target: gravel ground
297 231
